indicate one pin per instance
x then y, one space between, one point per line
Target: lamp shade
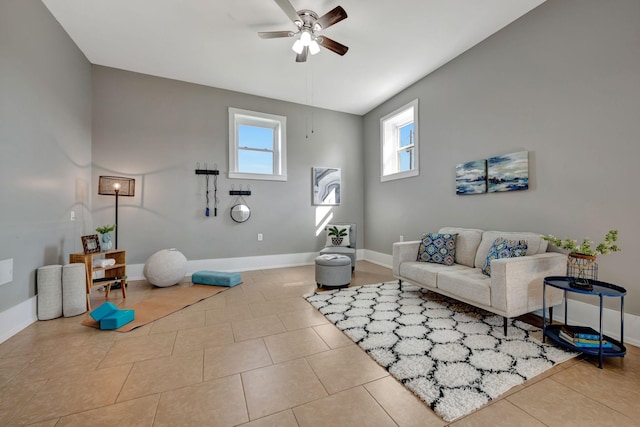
314 47
107 185
305 38
297 47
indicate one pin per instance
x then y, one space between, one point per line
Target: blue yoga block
215 278
103 311
117 319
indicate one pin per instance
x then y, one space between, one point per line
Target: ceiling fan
308 25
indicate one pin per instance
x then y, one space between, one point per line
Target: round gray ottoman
333 270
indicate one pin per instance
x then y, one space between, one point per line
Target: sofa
514 286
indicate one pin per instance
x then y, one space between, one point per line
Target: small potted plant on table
105 231
582 257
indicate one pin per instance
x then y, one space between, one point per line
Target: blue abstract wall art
508 173
471 177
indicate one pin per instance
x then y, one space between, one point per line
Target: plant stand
583 268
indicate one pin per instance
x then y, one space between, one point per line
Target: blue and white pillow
502 248
437 248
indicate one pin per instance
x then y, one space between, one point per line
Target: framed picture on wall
326 184
90 244
508 173
471 177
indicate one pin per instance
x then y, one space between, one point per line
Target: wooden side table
112 273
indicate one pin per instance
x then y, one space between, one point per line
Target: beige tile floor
259 355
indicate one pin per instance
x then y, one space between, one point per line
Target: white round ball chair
166 267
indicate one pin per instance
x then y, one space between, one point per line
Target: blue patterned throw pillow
503 248
437 248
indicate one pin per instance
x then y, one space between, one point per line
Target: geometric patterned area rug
453 356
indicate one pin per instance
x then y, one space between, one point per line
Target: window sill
399 175
257 176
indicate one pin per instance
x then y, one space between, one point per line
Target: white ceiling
392 44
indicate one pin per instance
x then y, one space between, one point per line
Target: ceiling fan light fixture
305 38
314 47
308 25
297 47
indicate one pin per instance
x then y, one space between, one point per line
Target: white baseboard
17 318
239 264
384 260
22 315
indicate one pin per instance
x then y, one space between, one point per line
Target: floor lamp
116 186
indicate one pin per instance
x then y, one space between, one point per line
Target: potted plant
582 257
105 231
586 247
337 235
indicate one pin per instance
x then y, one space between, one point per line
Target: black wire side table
596 288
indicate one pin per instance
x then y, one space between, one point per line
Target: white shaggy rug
453 356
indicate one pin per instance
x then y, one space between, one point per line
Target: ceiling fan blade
332 45
289 10
275 34
302 56
332 17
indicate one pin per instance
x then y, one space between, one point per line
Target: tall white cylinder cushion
49 286
74 290
166 267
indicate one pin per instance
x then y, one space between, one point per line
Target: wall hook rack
215 174
240 192
207 172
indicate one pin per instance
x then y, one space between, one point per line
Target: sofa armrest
403 252
516 283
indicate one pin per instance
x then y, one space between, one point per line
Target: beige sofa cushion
535 243
469 284
425 273
466 243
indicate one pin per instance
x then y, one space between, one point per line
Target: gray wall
563 82
155 130
45 144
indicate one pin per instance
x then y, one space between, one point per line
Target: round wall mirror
240 213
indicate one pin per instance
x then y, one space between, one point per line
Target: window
399 143
257 145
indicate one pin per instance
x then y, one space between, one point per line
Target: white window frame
390 142
239 117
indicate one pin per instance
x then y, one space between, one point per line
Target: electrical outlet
72 217
401 238
6 271
259 237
